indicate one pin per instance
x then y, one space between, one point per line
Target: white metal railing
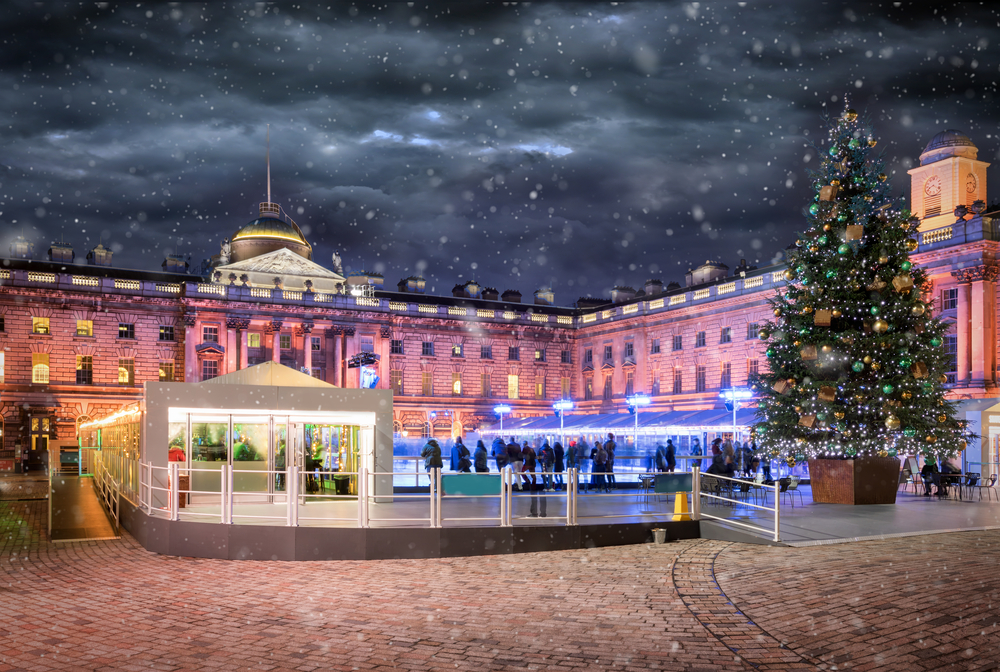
538 317
731 485
485 312
291 295
367 301
509 315
592 317
631 308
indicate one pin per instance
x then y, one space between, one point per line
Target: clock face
933 186
970 183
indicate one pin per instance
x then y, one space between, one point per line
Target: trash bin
342 484
659 536
183 485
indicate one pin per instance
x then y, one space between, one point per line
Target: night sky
574 146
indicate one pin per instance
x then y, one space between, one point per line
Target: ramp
718 530
75 512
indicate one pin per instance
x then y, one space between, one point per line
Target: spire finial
269 163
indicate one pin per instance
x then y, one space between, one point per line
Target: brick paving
21 487
916 603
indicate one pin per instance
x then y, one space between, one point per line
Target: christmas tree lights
855 359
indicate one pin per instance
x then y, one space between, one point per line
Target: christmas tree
856 363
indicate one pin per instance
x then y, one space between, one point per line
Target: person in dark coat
671 455
559 466
482 465
464 456
431 452
599 476
548 460
499 452
515 462
661 458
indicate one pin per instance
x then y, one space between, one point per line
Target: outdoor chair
758 486
746 491
783 484
989 487
793 489
905 478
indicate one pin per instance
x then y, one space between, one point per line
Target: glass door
251 449
209 451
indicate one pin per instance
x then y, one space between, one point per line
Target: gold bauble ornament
911 245
906 396
791 462
827 227
883 259
882 177
930 438
876 366
836 313
777 312
883 452
880 326
789 274
814 249
798 409
796 343
835 183
962 445
850 114
791 381
839 415
867 359
872 142
826 349
807 309
918 310
942 418
942 379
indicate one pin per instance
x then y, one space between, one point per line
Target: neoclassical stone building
79 340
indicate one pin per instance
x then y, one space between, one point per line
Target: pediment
281 262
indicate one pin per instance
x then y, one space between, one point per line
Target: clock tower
949 175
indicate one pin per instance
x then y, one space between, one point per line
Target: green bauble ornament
805 282
822 240
854 144
821 416
800 269
893 452
906 265
936 341
905 363
844 248
874 310
851 451
888 388
831 274
814 209
770 353
833 150
842 217
909 432
803 331
858 367
928 386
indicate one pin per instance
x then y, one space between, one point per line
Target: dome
948 143
269 227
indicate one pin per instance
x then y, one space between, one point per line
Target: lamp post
733 396
561 407
634 403
500 410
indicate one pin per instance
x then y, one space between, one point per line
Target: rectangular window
513 353
726 375
427 349
456 384
608 353
699 379
167 332
427 383
210 334
699 339
949 298
285 341
39 325
315 343
396 347
485 389
727 335
607 386
564 357
932 205
656 384
588 388
396 382
40 367
654 348
678 381
456 350
629 349
2 327
486 352
753 330
126 371
678 343
367 344
166 372
539 355
539 387
629 383
84 370
84 327
253 341
588 356
209 369
126 330
752 369
318 373
951 353
564 390
512 387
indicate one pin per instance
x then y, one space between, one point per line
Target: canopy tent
270 374
650 424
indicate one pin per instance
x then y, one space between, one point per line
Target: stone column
981 325
350 376
244 358
333 356
232 336
963 335
305 331
382 349
275 329
236 349
190 354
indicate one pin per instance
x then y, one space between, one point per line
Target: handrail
775 533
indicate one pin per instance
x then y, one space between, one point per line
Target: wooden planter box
865 480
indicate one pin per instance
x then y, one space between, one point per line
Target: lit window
427 383
456 384
512 387
396 382
126 371
166 372
254 341
564 387
84 370
39 367
84 327
539 355
485 389
210 334
285 341
39 325
166 332
126 330
588 388
315 343
540 387
456 350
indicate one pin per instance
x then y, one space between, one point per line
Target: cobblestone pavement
915 603
21 487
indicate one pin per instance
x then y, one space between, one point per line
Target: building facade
78 340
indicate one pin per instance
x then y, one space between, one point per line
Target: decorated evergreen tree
856 363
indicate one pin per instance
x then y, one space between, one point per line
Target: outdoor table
949 480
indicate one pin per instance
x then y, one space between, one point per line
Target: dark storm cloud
571 145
